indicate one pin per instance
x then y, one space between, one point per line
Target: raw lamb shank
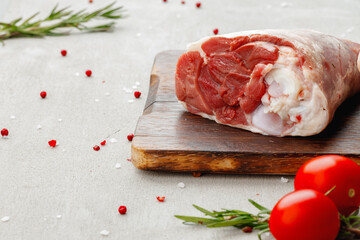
273 82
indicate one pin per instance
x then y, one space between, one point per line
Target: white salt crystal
284 180
58 216
77 74
113 140
38 126
181 185
130 101
107 94
134 87
104 232
128 91
60 120
350 29
63 150
137 83
118 165
138 34
5 219
12 117
97 100
284 4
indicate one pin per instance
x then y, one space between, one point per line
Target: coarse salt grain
137 83
39 126
181 185
105 232
60 120
135 86
12 117
130 101
284 180
113 140
107 94
5 219
138 34
96 100
118 165
284 4
350 29
58 216
77 74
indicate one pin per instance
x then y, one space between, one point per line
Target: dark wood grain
168 138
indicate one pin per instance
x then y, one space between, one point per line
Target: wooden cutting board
168 138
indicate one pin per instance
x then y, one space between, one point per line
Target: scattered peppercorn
160 199
198 4
122 210
137 94
43 94
88 73
216 31
196 174
130 137
247 229
103 143
182 2
63 52
4 132
52 143
96 148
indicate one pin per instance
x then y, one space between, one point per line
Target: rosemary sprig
240 219
248 222
58 19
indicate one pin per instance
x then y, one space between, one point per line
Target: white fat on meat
289 107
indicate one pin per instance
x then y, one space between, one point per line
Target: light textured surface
39 183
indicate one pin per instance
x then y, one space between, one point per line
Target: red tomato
324 172
304 214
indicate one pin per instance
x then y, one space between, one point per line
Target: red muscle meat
265 81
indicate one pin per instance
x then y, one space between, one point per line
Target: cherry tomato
305 214
324 172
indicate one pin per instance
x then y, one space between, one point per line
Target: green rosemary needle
350 226
59 19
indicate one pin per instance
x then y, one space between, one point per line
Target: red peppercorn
247 229
88 73
129 159
52 143
196 174
160 199
63 52
90 1
164 0
198 4
96 148
43 94
103 143
4 132
216 31
130 137
122 210
182 2
137 94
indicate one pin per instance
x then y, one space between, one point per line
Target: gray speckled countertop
39 183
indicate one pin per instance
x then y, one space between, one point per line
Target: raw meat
273 82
